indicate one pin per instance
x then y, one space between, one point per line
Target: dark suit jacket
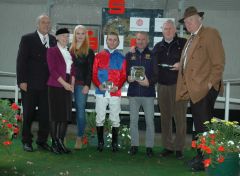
57 67
32 65
205 64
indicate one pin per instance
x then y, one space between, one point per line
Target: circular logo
139 22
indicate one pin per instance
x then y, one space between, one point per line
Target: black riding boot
63 148
54 148
100 138
115 139
62 133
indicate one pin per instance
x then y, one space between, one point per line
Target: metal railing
225 99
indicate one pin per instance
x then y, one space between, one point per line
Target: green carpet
89 162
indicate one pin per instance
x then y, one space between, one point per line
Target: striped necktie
45 41
186 50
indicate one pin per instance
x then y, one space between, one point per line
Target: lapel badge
148 56
133 57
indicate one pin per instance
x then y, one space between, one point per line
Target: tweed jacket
205 64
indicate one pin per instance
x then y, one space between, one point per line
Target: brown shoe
78 144
166 153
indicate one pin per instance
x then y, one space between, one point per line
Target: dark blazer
205 64
31 61
57 67
146 60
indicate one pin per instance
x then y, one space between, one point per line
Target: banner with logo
139 24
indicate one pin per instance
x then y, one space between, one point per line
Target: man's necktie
45 41
186 51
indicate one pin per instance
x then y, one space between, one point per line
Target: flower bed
9 122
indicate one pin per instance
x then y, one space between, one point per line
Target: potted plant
9 119
221 147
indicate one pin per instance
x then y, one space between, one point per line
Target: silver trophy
107 85
138 73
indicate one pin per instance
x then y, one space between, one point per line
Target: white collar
60 47
195 33
41 35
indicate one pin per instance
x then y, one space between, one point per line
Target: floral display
222 138
9 122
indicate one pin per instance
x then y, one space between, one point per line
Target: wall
17 19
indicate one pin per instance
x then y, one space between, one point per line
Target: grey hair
39 18
143 33
169 21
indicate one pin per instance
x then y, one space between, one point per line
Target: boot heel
62 147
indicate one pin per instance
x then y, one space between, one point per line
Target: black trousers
30 100
203 110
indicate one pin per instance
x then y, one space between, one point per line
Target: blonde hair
83 50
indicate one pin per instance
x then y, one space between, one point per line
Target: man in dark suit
32 76
200 75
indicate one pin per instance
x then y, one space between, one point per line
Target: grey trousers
148 106
169 109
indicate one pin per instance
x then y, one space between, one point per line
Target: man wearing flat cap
200 75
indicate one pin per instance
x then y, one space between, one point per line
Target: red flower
194 144
7 143
208 150
9 125
220 159
14 106
212 142
207 162
4 121
203 140
16 130
85 140
221 149
19 118
212 136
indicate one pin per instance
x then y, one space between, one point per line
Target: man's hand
144 82
101 87
114 89
130 79
176 66
23 86
209 86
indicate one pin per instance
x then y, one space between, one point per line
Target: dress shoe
149 152
196 164
115 147
179 155
100 146
133 150
43 146
166 153
27 147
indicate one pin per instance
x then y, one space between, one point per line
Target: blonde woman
83 61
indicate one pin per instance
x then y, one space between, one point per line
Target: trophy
138 73
107 85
